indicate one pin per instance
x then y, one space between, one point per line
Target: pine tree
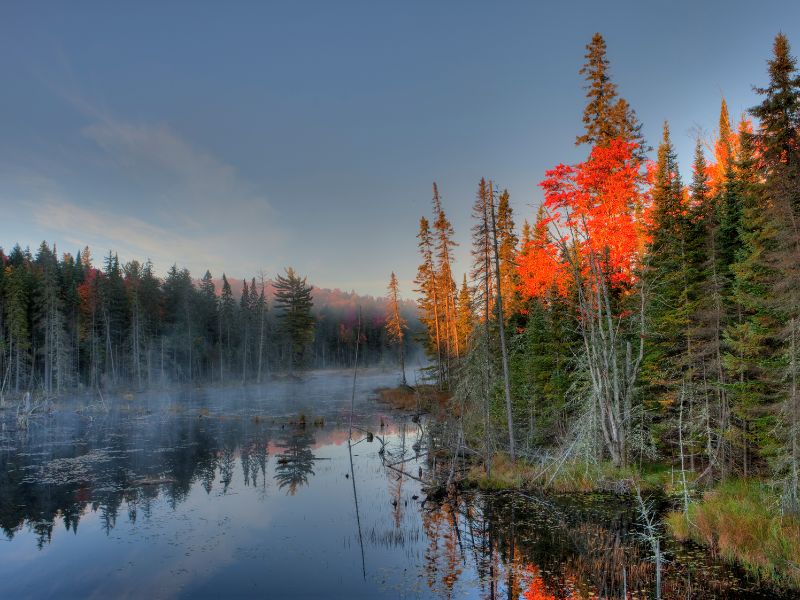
225 316
507 241
483 300
606 117
502 329
113 315
395 324
208 321
293 301
778 139
709 318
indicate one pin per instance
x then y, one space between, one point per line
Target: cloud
130 236
145 191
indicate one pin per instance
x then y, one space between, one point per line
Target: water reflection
296 461
232 499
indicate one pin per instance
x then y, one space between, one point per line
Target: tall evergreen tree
606 116
465 315
396 325
750 336
293 301
446 290
507 242
667 281
429 299
778 139
225 315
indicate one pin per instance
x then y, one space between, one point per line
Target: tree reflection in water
526 548
296 462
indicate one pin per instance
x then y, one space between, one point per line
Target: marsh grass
574 477
424 398
741 521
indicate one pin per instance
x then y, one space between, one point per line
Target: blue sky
248 136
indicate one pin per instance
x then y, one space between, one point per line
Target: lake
255 492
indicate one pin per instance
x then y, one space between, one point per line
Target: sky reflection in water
248 493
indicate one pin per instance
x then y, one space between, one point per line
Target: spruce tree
667 281
778 139
751 335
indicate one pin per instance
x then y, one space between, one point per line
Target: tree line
639 317
67 324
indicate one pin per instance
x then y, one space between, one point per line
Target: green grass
741 521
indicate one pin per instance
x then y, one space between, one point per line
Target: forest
66 324
643 327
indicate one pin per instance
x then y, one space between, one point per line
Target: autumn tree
396 325
443 245
596 209
429 299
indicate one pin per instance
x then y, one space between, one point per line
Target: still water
255 492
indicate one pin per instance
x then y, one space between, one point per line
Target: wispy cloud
171 201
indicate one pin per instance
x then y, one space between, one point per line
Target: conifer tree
225 315
507 241
606 116
245 319
444 275
667 281
261 307
17 306
428 302
502 329
465 316
751 334
396 325
778 139
293 301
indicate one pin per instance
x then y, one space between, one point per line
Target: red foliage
540 267
598 206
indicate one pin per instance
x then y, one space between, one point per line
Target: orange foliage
598 207
539 265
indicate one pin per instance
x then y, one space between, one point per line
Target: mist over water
250 492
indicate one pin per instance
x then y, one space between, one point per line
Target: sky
244 137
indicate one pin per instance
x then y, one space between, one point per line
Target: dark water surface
249 493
